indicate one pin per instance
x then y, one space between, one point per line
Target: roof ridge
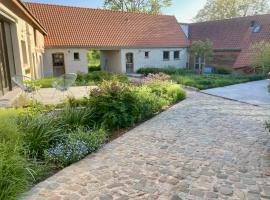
234 18
98 9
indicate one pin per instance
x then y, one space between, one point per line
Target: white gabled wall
71 65
155 58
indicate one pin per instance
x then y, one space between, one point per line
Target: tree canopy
145 6
261 56
226 9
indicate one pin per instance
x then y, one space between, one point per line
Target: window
166 55
199 62
176 55
24 52
256 28
146 54
76 56
58 59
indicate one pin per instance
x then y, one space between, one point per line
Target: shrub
119 105
156 77
78 144
222 70
168 91
45 82
94 68
97 77
169 71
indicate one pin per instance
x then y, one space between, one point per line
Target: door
5 80
58 64
129 63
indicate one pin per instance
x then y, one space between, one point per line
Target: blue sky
184 10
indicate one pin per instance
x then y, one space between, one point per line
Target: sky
183 10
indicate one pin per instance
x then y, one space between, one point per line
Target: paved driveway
255 93
202 148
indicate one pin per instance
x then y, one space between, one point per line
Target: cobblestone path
202 148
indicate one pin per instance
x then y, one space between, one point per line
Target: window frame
146 56
178 53
165 52
78 54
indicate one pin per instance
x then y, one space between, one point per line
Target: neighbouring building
21 43
232 39
127 41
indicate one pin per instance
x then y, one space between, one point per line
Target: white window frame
199 63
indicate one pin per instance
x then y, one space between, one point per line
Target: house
127 41
21 43
232 40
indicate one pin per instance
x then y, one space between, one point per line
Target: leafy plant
39 133
165 70
156 77
79 143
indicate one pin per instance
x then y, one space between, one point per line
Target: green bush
96 77
168 91
169 71
44 82
119 105
222 70
94 68
78 144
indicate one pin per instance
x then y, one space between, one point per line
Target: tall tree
226 9
146 6
261 56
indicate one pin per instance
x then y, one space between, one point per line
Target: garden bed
203 81
37 141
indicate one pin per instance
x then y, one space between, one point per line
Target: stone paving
202 148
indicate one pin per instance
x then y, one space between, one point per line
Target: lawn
203 81
37 141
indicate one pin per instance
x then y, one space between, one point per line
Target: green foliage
168 91
39 133
14 177
261 56
97 77
94 68
168 70
78 144
224 9
222 70
213 80
119 105
93 60
146 6
14 174
45 82
201 49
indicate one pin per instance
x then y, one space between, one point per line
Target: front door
4 71
129 63
58 64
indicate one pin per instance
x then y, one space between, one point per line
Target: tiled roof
98 28
233 34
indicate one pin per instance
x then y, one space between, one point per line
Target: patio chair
26 84
64 82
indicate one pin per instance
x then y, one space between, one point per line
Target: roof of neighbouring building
233 34
98 28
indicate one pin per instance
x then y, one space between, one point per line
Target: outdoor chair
63 83
26 84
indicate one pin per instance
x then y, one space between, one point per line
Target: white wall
71 65
155 58
111 61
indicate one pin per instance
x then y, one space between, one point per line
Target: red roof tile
233 34
97 28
